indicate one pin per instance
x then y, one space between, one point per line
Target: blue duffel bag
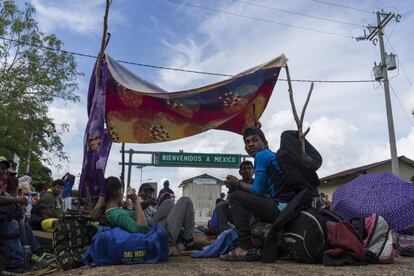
112 246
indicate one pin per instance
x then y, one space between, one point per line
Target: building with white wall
203 191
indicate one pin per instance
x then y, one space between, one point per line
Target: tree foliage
32 75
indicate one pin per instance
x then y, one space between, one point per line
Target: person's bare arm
233 182
4 200
140 220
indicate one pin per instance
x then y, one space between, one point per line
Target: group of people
19 249
248 198
54 200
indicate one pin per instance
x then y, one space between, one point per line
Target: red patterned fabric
140 112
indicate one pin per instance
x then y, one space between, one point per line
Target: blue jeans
10 243
27 238
35 222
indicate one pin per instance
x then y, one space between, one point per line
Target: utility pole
382 20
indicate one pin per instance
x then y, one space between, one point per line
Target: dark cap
146 187
254 131
5 161
166 182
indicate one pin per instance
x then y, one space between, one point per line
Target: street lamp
141 167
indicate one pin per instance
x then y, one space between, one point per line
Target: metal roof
359 170
190 180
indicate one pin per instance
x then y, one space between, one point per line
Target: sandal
253 255
231 256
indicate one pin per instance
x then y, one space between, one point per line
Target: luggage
297 169
72 234
304 239
376 237
111 246
404 242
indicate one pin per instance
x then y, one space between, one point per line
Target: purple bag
404 242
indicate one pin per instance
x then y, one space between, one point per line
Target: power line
402 106
400 63
120 61
262 20
175 69
342 6
297 13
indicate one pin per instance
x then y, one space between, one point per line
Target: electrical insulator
377 70
391 61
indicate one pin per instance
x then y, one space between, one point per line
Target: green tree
33 73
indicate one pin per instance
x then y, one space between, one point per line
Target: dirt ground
188 266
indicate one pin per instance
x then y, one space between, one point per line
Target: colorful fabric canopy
140 112
137 111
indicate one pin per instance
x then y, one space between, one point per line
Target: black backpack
304 239
297 169
71 237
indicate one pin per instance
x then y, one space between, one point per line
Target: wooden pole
103 43
101 201
299 120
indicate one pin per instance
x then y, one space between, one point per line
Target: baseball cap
5 161
146 187
26 189
254 131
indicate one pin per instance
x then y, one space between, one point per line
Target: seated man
9 228
25 190
130 221
15 234
49 205
213 223
148 203
223 210
175 218
259 199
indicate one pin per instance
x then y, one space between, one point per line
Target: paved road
178 266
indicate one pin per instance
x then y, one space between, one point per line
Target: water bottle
27 255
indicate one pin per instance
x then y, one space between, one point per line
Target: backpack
404 243
71 236
111 246
376 237
297 170
304 239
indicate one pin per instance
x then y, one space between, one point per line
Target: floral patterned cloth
140 112
137 111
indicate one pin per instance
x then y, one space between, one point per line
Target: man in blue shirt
69 181
259 199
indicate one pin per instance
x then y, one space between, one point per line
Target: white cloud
336 140
374 153
84 17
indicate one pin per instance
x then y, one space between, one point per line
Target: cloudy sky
347 120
